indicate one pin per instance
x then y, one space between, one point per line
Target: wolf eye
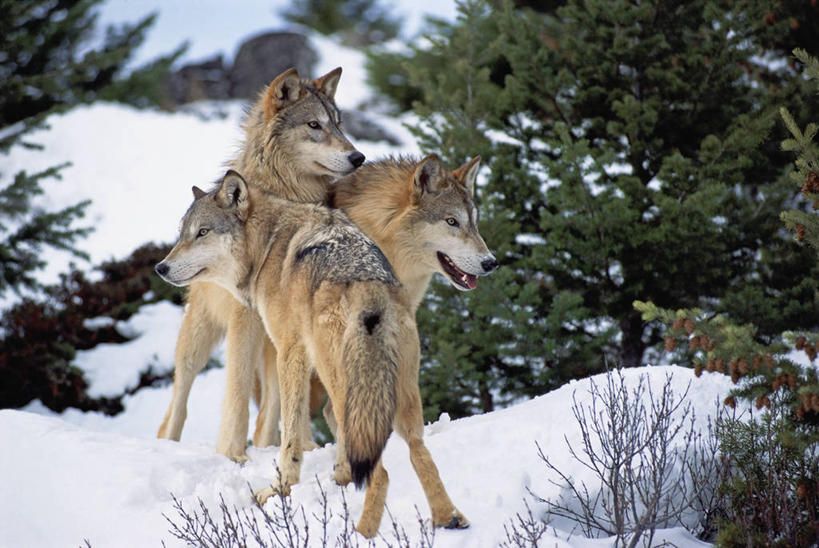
202 232
314 125
451 221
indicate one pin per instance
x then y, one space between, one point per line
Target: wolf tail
370 354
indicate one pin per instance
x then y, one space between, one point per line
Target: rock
194 82
358 126
263 57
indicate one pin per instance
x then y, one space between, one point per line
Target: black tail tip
361 470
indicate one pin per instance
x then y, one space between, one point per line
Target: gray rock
263 57
358 126
197 81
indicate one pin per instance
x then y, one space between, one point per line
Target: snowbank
63 483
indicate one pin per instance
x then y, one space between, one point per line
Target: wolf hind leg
409 423
198 335
294 377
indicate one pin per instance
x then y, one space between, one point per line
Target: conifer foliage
48 64
630 156
51 60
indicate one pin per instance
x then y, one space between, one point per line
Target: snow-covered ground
109 482
68 477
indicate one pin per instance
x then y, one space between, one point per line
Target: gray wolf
293 148
425 220
330 301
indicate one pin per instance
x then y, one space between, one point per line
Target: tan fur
370 368
282 167
381 198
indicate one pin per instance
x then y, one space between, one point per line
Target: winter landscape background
74 476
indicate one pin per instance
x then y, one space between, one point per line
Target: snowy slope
63 483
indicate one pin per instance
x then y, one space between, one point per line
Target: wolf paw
309 445
239 459
455 520
263 494
342 474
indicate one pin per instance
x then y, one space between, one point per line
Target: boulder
263 57
197 81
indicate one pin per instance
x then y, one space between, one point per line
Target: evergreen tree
47 66
358 22
631 157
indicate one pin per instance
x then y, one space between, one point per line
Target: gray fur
340 253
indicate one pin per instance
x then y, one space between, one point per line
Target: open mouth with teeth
461 279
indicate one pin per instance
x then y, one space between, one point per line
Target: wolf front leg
267 423
198 335
244 356
409 423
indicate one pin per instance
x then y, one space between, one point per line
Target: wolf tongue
471 281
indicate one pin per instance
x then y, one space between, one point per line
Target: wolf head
446 220
301 126
211 237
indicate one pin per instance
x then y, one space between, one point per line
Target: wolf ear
232 192
427 178
283 90
328 83
468 172
197 192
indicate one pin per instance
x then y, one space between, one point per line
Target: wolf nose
356 158
162 269
489 265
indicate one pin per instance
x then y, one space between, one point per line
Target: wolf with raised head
293 147
330 302
424 218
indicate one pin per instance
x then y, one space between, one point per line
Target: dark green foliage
762 370
770 496
26 232
40 337
46 66
357 22
634 155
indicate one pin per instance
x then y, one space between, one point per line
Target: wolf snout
489 265
356 158
162 269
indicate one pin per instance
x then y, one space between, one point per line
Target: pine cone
677 325
693 343
811 184
688 325
800 232
670 343
800 342
731 402
698 369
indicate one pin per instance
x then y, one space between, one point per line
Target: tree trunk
633 347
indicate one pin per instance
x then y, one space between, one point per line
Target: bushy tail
370 355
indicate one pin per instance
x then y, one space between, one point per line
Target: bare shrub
287 526
645 454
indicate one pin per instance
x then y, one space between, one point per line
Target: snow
64 483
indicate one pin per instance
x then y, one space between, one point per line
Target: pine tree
630 156
761 366
47 66
358 22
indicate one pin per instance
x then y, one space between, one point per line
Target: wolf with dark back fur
330 301
293 148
